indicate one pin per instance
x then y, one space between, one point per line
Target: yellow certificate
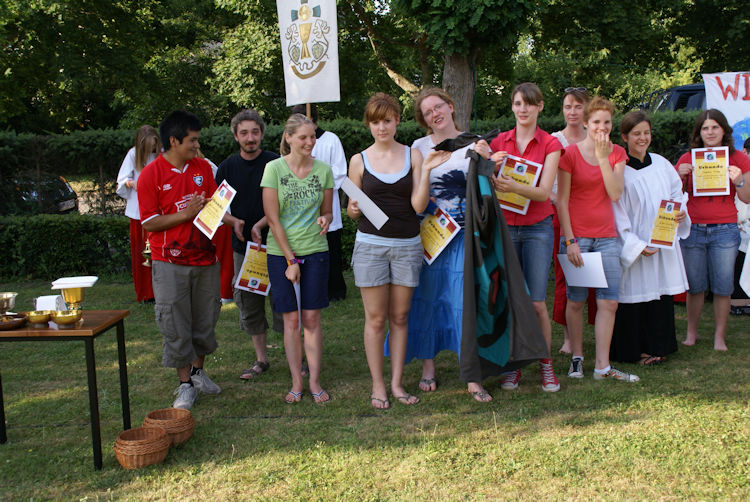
710 171
254 275
524 172
209 219
436 231
664 233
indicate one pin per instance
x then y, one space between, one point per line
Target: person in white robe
644 326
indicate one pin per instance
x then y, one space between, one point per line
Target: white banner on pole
309 47
729 93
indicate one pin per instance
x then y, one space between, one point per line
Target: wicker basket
177 423
141 446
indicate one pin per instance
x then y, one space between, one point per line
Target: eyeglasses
574 89
433 110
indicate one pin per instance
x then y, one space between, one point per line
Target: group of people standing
592 196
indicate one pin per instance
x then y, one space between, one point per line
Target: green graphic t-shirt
299 205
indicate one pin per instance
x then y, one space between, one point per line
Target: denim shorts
313 283
533 245
376 265
709 253
610 249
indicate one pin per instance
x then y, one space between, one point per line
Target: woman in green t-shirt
297 195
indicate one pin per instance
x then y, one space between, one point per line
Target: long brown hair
294 122
425 93
146 142
695 137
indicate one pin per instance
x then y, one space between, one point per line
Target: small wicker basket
176 422
141 446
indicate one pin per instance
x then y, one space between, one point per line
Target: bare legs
313 347
544 322
259 343
184 372
388 302
694 304
605 321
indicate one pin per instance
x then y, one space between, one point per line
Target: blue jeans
709 253
610 249
533 245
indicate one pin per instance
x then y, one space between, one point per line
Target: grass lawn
683 432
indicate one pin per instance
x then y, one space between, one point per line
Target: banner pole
309 113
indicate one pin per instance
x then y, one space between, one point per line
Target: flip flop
321 397
385 404
481 396
406 399
428 383
250 373
293 397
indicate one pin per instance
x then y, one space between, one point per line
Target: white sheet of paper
745 275
373 213
299 304
590 275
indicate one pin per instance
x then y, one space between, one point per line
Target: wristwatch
740 184
571 241
291 262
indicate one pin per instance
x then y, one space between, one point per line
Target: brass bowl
7 301
64 317
39 316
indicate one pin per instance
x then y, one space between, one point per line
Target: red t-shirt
589 205
541 145
164 189
713 208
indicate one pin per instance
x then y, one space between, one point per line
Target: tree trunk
459 83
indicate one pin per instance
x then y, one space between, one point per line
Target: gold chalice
7 301
73 297
146 253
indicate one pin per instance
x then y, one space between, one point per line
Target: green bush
97 154
50 246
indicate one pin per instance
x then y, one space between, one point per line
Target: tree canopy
80 64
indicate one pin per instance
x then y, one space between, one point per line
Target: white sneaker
615 374
186 396
204 384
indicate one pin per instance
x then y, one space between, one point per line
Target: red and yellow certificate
524 172
664 233
436 231
209 219
710 171
254 275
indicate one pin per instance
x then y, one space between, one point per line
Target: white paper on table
590 275
83 281
371 211
299 304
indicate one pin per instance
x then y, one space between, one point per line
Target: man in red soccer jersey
171 192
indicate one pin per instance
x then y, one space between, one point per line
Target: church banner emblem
309 47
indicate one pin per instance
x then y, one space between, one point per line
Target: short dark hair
695 137
176 125
248 114
302 110
632 119
530 93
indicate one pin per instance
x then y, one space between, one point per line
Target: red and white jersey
165 189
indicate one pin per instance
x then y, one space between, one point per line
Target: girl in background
147 147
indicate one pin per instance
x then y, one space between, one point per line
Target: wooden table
93 324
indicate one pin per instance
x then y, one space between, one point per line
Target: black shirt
244 176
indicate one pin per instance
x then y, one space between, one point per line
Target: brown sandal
258 368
